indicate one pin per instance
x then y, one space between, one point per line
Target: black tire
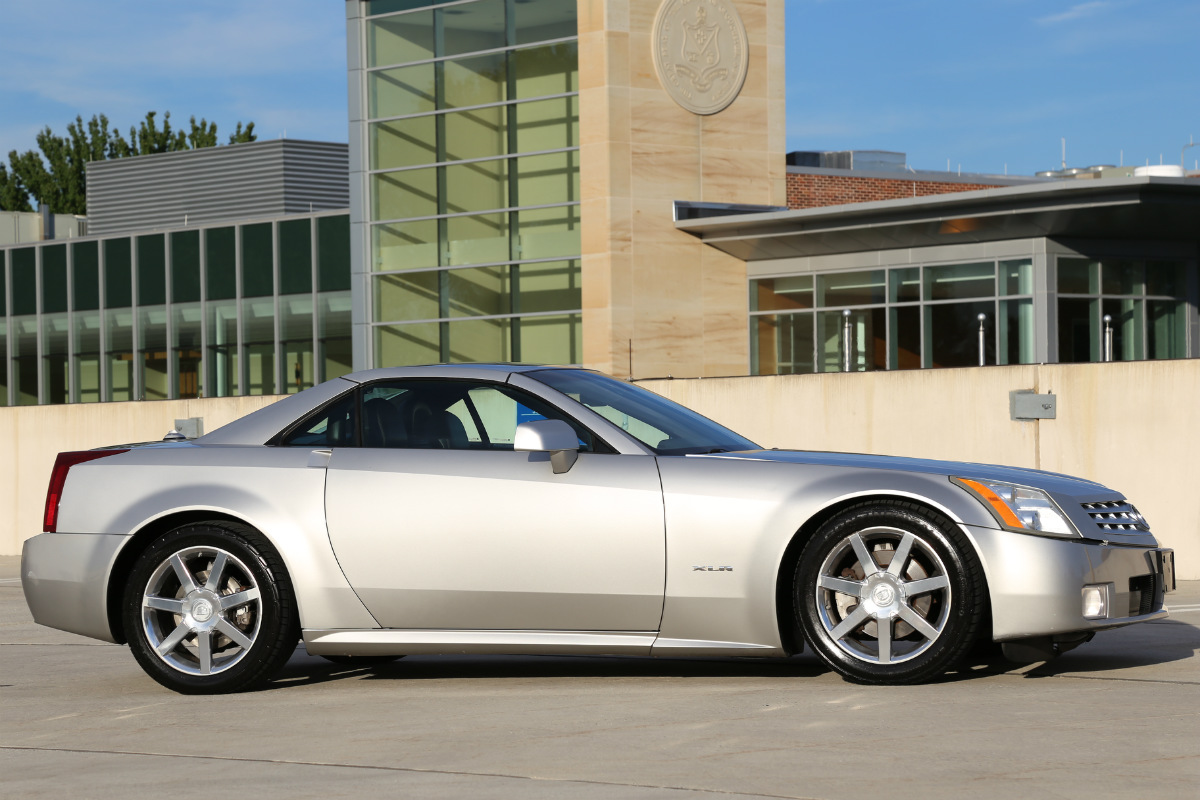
228 632
877 624
361 661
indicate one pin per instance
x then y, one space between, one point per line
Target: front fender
744 515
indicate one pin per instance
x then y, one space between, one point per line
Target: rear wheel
208 609
889 592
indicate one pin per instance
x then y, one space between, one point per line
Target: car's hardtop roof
493 371
260 426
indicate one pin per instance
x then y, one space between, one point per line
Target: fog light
1095 601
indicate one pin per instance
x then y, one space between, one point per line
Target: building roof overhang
1137 208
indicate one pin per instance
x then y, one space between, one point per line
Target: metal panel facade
242 181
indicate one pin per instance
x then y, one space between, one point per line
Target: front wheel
208 609
889 592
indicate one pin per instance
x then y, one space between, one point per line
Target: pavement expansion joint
420 770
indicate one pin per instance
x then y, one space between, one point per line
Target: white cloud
1076 12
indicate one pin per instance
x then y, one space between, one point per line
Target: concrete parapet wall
31 437
1133 426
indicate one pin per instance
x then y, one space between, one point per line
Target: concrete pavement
1118 716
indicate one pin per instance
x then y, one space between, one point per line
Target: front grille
1116 515
1142 591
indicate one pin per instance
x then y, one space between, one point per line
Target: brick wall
812 191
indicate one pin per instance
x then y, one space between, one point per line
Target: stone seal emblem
700 53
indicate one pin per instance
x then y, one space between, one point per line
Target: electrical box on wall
191 428
1025 404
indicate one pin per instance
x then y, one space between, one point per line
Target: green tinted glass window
220 265
407 296
257 271
24 281
546 179
469 27
548 232
547 124
388 6
54 279
474 81
905 285
1122 277
401 91
1166 329
151 271
1016 277
399 195
549 340
399 345
403 143
118 273
782 344
481 239
333 253
851 288
547 286
549 69
478 133
781 294
478 292
405 245
955 281
479 340
295 256
400 39
85 267
539 20
1165 279
474 187
1078 276
185 267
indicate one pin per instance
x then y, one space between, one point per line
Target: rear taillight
58 477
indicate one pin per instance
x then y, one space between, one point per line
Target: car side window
336 425
453 415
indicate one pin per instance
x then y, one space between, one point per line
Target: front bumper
1036 583
65 578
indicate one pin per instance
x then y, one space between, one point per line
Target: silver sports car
515 509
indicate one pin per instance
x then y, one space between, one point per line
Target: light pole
1108 337
847 344
982 340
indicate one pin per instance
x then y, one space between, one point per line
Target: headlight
1020 508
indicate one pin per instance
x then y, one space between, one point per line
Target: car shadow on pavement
304 670
1174 641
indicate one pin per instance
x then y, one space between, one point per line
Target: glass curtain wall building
261 307
968 314
469 204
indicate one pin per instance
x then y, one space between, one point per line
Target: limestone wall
31 437
1133 426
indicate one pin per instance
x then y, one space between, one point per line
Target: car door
439 524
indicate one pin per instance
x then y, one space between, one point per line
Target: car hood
1050 481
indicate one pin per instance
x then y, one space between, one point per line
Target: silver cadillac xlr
515 509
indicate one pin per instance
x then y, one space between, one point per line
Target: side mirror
551 436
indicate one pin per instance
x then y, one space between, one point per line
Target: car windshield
665 427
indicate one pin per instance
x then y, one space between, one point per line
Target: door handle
319 459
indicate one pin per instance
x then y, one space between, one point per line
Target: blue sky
987 84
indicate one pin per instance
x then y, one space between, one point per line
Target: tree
57 176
